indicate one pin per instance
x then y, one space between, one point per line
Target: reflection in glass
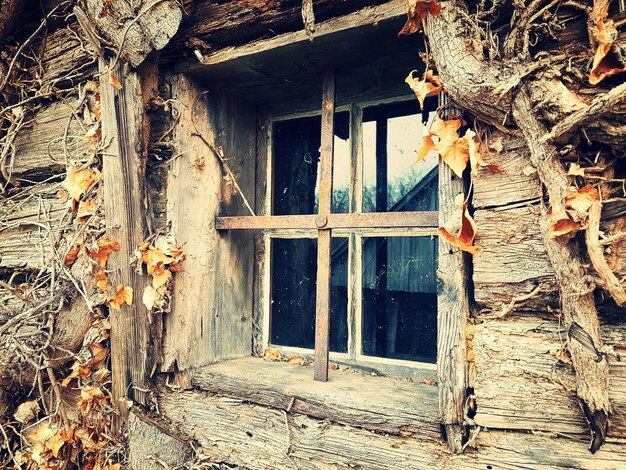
392 135
296 155
294 269
400 298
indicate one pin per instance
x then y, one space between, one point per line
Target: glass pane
400 298
294 270
392 181
296 156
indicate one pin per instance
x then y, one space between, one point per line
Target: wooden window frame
355 225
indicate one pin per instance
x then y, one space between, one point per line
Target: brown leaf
443 128
429 85
564 228
160 276
299 360
272 354
468 232
105 246
581 199
605 62
71 256
26 412
78 181
102 282
475 158
124 295
429 382
417 13
115 81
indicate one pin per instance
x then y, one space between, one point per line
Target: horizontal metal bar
422 219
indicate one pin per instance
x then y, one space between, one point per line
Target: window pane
294 270
392 181
400 298
296 165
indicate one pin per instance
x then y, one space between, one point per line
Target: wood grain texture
520 383
212 301
383 404
252 436
452 313
123 169
31 219
39 151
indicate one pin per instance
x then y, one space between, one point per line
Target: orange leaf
78 181
605 62
446 128
102 282
86 208
454 152
427 146
93 134
71 256
299 360
104 248
124 295
468 232
418 10
115 81
272 354
160 276
581 199
564 227
429 85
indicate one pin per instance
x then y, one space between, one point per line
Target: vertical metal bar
322 314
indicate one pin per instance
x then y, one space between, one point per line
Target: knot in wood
321 220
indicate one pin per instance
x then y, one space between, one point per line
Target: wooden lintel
424 219
370 15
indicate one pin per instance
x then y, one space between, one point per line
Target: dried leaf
468 232
443 128
429 85
427 146
418 11
78 181
272 354
576 170
26 412
454 152
605 62
160 276
581 199
150 297
299 360
99 354
71 256
87 208
93 134
429 382
529 170
115 81
124 295
475 158
104 247
102 282
564 227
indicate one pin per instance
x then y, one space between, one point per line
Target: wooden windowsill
382 404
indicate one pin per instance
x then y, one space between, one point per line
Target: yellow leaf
426 147
78 181
454 152
124 295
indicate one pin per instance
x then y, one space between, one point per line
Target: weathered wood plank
513 260
222 24
515 450
253 436
384 404
508 184
452 313
212 305
521 384
39 147
123 168
30 220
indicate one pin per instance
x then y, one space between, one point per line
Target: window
351 239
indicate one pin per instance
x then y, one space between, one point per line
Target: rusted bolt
321 221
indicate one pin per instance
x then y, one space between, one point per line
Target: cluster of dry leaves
608 60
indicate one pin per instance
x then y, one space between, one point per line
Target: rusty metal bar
322 296
423 219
